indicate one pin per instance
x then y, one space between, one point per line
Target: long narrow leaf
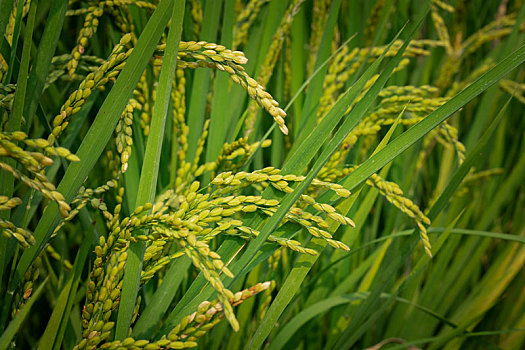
150 169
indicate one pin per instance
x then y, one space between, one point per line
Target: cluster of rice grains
189 221
34 162
202 54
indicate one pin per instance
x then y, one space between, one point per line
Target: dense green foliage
244 174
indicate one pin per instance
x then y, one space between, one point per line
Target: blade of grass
458 332
220 119
14 325
505 191
287 332
495 280
42 60
298 55
150 167
371 309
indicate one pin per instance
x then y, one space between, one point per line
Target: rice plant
246 174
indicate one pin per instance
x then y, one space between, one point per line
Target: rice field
262 174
